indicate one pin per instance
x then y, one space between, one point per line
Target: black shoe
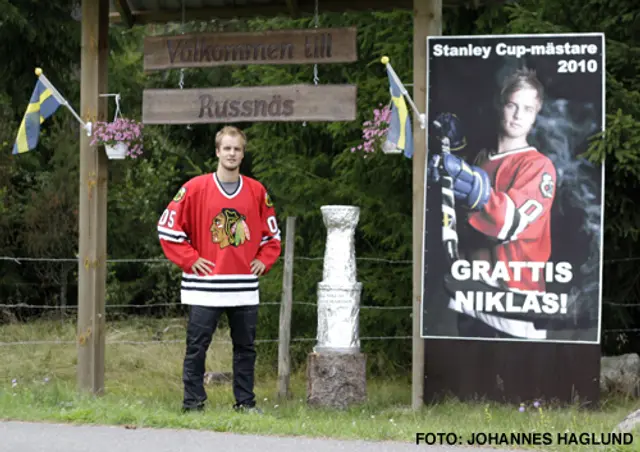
251 409
193 409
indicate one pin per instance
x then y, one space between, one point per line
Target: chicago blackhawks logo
267 200
180 195
547 185
229 228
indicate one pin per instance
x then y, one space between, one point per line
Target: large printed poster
514 212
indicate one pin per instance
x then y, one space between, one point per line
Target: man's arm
512 215
173 230
270 245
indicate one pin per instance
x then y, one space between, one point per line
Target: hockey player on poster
512 212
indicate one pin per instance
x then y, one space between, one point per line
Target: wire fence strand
227 341
19 259
181 341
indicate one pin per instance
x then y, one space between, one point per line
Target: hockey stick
449 220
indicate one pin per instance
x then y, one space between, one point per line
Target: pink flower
374 131
121 130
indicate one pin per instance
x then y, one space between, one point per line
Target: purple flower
536 404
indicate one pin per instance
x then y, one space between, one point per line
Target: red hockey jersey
229 230
518 214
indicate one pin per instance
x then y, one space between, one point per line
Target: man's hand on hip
202 266
257 267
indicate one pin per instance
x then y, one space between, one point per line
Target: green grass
144 389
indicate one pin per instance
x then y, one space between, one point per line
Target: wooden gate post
284 358
427 21
92 210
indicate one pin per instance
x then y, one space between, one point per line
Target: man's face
231 152
519 113
217 229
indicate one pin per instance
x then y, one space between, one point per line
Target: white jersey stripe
171 232
508 218
171 239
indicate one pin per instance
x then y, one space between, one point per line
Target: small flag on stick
45 101
400 135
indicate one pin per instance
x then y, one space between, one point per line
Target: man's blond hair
521 79
232 131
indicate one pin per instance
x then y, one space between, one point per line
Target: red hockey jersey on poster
229 230
518 213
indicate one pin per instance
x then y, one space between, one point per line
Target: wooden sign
254 104
319 45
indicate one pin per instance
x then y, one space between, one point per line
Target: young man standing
221 230
508 194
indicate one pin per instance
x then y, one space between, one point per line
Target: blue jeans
203 321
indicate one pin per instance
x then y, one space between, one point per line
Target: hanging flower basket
121 138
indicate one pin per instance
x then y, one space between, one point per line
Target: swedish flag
400 136
42 105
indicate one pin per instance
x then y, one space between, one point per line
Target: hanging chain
315 66
181 82
316 19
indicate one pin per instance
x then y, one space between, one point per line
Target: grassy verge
143 389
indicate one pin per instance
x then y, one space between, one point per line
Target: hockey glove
471 184
448 125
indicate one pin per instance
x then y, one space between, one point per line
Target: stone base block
336 380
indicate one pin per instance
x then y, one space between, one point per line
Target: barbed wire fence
62 306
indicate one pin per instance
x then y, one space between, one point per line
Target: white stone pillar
337 370
339 291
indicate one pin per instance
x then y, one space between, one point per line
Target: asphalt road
37 437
